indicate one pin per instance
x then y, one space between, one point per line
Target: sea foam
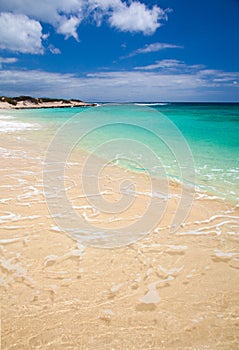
9 124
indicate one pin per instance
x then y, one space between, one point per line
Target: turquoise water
212 132
196 143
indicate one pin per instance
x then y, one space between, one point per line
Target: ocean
193 142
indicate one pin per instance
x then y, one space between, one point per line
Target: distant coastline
28 102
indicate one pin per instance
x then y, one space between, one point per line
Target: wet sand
165 291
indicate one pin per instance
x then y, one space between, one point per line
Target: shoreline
58 292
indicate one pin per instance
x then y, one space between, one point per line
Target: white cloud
172 65
132 17
20 34
185 85
66 15
158 47
220 77
68 27
168 63
154 48
44 10
7 60
54 50
137 18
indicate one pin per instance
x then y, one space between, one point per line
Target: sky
121 50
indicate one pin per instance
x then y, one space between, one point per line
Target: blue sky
116 50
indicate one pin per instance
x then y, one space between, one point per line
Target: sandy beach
119 175
165 291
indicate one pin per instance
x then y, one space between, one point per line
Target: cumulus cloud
20 34
66 15
132 17
68 27
45 11
63 15
137 18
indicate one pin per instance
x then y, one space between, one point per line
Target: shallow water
210 131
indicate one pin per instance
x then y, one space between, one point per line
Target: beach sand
165 291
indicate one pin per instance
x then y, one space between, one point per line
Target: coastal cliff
27 102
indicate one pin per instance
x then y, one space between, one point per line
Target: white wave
4 117
12 153
216 217
33 191
9 216
164 196
152 104
13 126
200 196
213 229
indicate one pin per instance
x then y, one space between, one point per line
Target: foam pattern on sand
58 293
